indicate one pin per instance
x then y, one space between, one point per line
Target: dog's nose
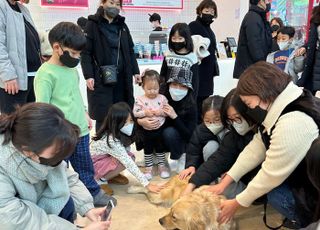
161 221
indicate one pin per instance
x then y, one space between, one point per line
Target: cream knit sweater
291 138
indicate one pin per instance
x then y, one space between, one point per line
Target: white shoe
164 172
181 163
173 164
148 173
102 181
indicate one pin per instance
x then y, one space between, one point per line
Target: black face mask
176 46
207 18
257 114
275 28
53 162
69 61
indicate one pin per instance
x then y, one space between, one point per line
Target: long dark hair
113 122
184 31
233 99
37 126
313 165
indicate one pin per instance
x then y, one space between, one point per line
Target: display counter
222 84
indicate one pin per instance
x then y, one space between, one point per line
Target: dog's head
197 211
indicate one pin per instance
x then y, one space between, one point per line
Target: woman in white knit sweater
267 91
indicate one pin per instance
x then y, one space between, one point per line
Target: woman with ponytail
38 191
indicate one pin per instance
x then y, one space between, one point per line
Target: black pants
118 95
174 142
152 140
9 101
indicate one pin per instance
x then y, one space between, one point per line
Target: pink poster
65 3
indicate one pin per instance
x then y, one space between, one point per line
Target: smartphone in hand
107 214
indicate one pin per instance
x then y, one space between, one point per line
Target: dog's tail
135 189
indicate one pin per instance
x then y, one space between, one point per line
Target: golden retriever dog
196 211
172 191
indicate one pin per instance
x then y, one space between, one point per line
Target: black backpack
305 194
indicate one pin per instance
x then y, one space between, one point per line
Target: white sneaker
181 163
102 181
173 164
148 173
163 171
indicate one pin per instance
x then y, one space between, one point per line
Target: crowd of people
257 144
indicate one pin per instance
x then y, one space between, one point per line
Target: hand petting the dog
155 188
187 172
228 209
219 188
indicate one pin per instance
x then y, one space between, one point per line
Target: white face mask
283 45
177 94
127 129
241 128
215 128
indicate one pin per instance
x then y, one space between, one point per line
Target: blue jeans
281 199
68 211
82 163
174 142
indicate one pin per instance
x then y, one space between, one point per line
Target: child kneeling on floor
206 138
151 105
111 147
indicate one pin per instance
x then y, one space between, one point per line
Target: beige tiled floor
134 212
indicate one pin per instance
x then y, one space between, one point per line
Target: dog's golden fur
172 191
196 211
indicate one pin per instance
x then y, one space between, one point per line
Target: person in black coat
310 78
233 116
206 11
206 137
255 40
103 31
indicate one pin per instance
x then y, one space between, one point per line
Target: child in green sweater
57 83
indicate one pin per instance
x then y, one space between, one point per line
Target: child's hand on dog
187 172
155 188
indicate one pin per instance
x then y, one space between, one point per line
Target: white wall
227 23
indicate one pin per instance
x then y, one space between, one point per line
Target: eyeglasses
237 120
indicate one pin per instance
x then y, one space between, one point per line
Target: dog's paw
134 189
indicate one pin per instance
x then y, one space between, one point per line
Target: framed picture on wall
155 4
65 3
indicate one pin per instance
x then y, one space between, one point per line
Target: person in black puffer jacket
233 116
311 75
255 40
206 137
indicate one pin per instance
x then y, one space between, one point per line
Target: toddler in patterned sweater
151 105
